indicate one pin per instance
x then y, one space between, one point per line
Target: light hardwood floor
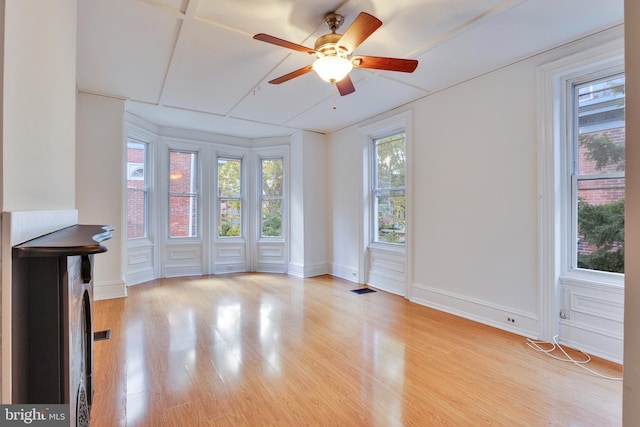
272 350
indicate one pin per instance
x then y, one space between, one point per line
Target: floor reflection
270 326
389 370
228 324
136 367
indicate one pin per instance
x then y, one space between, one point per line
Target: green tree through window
599 175
389 188
272 180
229 197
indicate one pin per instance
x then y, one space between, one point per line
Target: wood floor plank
273 350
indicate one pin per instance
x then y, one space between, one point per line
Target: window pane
390 161
601 127
390 215
229 175
182 172
136 211
182 216
272 177
600 151
389 189
137 190
272 218
601 225
229 218
183 208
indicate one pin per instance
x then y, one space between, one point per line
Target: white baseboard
307 270
525 324
138 277
102 291
344 272
390 289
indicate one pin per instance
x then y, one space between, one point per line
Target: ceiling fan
333 52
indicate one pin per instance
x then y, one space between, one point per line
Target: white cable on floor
536 345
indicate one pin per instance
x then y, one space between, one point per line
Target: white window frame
376 129
572 269
144 190
242 198
194 194
262 198
375 190
555 233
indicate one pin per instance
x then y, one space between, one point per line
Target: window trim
195 195
243 205
375 190
145 190
574 179
374 128
569 267
554 125
261 198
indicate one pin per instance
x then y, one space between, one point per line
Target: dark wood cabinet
52 325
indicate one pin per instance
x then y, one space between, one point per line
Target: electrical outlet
510 319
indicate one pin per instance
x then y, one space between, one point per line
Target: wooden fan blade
345 86
381 63
359 31
282 43
291 75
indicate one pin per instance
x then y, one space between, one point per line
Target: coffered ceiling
193 63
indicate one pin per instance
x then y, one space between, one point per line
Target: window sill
236 240
387 247
271 240
141 242
593 279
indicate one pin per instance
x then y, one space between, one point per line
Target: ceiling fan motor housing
327 45
334 21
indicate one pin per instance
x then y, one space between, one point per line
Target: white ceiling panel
465 56
409 26
182 119
198 61
178 6
213 68
372 97
286 19
279 103
124 48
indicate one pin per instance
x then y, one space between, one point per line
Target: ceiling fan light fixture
332 68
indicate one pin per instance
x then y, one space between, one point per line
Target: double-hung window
597 175
229 197
272 197
388 192
137 189
183 193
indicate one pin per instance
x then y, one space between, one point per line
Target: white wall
345 159
100 189
38 140
296 203
308 191
38 124
631 387
315 181
475 189
475 183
